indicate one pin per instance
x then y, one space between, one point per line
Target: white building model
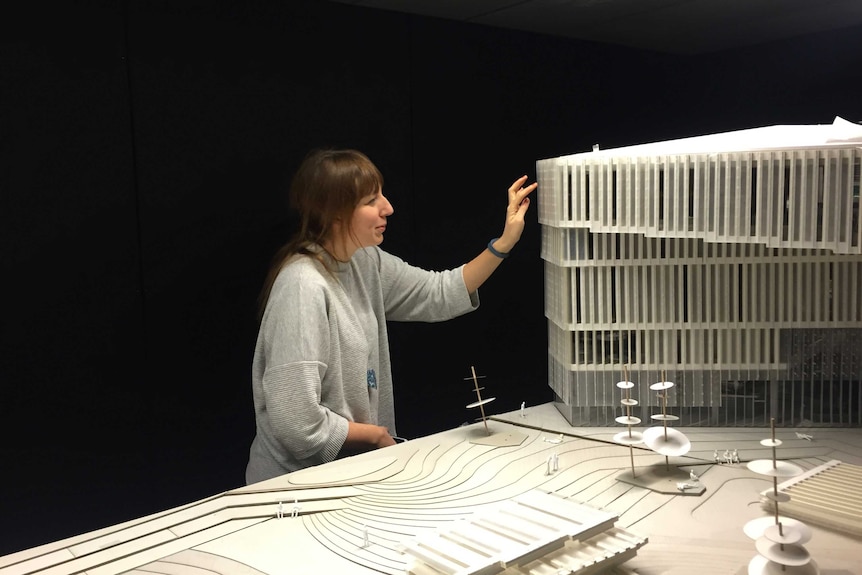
731 261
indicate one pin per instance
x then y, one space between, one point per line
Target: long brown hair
326 188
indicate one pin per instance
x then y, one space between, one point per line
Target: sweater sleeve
297 348
309 431
414 294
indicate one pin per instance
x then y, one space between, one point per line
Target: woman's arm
367 435
482 266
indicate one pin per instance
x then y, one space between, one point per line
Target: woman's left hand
519 202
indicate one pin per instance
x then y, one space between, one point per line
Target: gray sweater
322 354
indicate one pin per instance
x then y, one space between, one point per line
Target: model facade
732 262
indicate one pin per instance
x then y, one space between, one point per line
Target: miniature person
715 456
692 475
523 403
735 456
727 458
365 535
548 465
295 511
321 374
280 513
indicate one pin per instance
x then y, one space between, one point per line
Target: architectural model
628 437
531 532
826 495
662 439
362 515
502 438
780 541
480 401
730 260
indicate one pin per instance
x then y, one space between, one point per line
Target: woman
321 376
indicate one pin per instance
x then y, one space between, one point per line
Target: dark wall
73 405
145 150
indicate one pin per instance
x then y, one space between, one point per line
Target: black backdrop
144 152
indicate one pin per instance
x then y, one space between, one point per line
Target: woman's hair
325 189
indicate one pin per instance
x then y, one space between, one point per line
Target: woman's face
369 219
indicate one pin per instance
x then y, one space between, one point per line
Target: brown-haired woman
321 374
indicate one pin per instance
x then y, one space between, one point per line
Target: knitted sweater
322 354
